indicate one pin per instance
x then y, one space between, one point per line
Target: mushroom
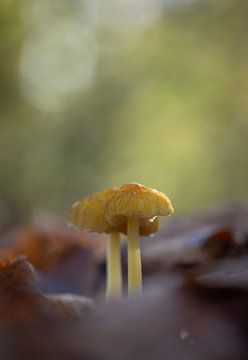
148 227
88 214
131 205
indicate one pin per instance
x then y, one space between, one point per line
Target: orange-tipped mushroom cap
135 200
88 213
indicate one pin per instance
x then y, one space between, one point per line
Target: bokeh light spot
57 63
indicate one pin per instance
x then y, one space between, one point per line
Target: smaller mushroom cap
148 227
136 200
88 213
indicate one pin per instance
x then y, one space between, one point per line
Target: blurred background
96 93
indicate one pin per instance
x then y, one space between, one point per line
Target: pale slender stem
134 259
114 273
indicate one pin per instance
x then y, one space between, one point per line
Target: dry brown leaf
16 275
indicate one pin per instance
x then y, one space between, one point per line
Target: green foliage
167 108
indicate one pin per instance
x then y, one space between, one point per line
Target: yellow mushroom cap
136 200
88 213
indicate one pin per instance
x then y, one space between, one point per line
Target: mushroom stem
114 273
134 259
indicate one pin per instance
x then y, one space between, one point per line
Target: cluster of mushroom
133 210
